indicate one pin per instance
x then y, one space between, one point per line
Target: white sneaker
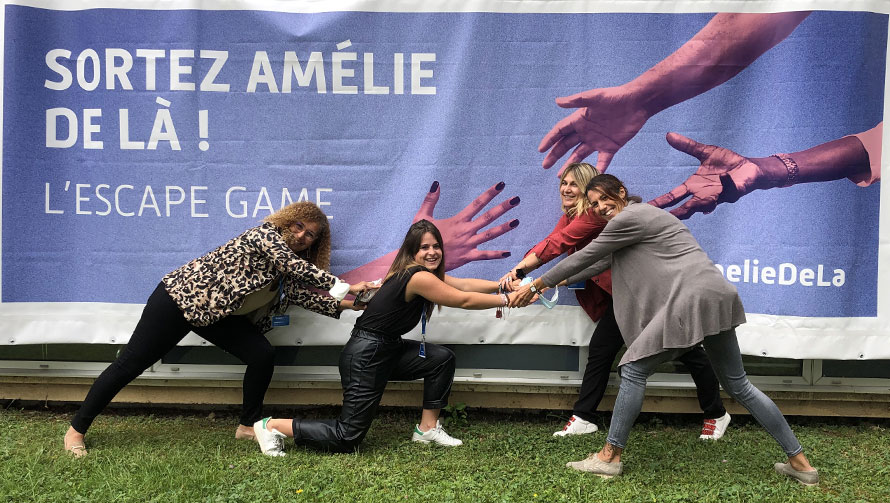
435 435
576 426
713 429
271 441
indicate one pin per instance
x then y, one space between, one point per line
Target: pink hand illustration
462 234
723 177
605 120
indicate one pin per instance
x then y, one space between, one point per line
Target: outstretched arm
472 284
428 286
566 235
725 176
461 233
623 230
606 119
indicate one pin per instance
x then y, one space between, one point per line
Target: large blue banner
136 140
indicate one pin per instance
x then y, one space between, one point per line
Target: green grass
193 457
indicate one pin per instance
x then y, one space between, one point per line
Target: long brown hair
319 253
611 187
410 246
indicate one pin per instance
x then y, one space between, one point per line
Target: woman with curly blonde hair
229 297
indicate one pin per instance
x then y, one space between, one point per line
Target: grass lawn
192 457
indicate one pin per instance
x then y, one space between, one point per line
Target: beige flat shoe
76 450
244 434
805 478
593 464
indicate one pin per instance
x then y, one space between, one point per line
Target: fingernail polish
434 186
500 186
514 201
505 254
514 223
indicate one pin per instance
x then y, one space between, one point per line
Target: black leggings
605 343
161 326
367 363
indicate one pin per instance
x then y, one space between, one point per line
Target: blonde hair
304 211
583 173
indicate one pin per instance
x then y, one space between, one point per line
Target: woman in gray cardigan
668 297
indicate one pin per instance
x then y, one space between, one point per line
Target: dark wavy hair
611 186
410 246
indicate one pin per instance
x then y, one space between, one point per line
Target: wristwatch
533 289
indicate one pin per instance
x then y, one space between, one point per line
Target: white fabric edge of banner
763 335
497 6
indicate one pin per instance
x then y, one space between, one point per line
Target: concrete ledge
795 400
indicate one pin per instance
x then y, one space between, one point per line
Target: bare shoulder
423 277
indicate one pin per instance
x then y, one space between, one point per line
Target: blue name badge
577 286
281 320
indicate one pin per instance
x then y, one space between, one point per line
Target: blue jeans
726 359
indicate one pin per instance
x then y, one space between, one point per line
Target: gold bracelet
791 166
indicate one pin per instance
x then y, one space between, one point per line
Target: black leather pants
367 363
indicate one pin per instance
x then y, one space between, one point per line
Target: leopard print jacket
213 286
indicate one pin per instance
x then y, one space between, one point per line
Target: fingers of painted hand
480 202
494 213
582 151
696 204
454 260
429 204
460 234
713 182
605 120
577 100
671 198
560 139
489 234
689 146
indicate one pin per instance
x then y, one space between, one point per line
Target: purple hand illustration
723 177
462 234
605 120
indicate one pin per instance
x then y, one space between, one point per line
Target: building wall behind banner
135 140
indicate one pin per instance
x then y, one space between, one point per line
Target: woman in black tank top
376 352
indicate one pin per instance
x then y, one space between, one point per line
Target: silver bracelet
791 166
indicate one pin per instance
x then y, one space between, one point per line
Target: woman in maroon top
574 230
